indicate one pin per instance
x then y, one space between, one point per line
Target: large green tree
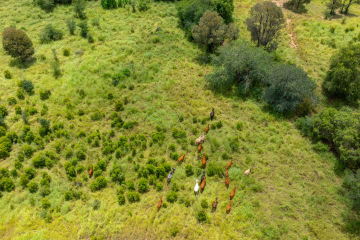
265 21
17 44
297 6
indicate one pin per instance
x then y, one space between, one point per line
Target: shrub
109 4
204 204
119 106
133 197
90 38
45 180
17 44
131 185
46 5
99 183
83 29
71 24
202 216
45 94
265 21
171 197
189 170
39 161
296 5
176 133
143 5
28 150
241 65
117 175
79 8
343 77
5 147
45 203
27 86
49 33
143 185
30 173
121 199
6 184
289 87
12 101
33 187
211 31
159 186
3 111
2 131
7 74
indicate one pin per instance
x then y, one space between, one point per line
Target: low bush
6 184
133 197
46 5
189 170
121 199
202 216
5 147
204 204
98 184
44 94
117 175
27 86
49 33
143 185
33 187
83 29
71 24
7 74
45 203
171 197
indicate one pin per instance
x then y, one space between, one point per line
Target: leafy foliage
49 34
297 6
17 44
289 87
265 21
343 77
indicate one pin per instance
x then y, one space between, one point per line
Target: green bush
109 4
12 101
204 204
289 88
46 5
143 5
28 150
27 86
121 199
45 203
5 147
44 94
45 180
117 175
202 216
143 185
133 197
171 197
213 169
33 187
7 74
79 8
2 131
6 184
39 161
83 29
297 5
343 77
17 44
338 128
3 111
72 195
49 33
240 65
71 24
98 184
189 170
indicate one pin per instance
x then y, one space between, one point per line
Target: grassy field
292 192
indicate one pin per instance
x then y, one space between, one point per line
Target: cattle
212 114
232 194
229 164
181 159
214 205
203 162
91 171
227 180
199 147
228 208
247 172
159 203
203 183
200 139
196 188
170 176
207 128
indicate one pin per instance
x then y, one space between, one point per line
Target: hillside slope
292 192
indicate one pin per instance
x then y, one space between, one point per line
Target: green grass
292 193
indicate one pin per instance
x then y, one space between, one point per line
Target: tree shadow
22 64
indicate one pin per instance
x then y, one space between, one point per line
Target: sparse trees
343 77
17 44
211 31
297 6
345 5
332 5
265 21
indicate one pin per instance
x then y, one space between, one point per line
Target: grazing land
143 68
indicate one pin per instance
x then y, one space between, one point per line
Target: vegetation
343 77
265 21
133 101
297 6
17 44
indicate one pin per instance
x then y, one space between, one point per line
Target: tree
109 4
343 77
211 31
79 8
289 88
240 65
345 5
265 21
332 5
17 44
297 6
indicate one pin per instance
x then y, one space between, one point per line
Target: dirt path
280 3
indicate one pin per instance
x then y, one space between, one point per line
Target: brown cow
229 164
228 208
159 203
181 158
232 194
91 171
227 180
203 161
203 183
199 147
214 205
207 128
